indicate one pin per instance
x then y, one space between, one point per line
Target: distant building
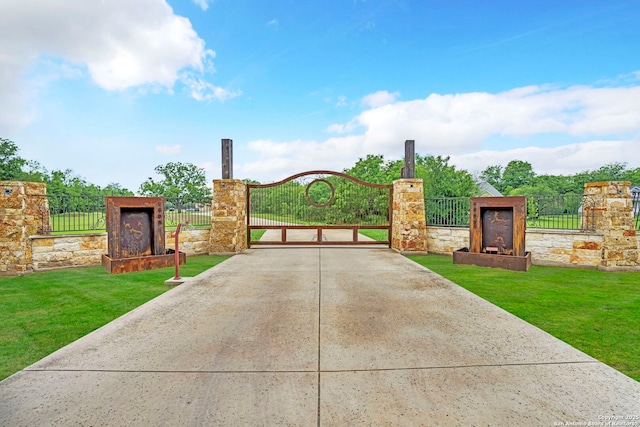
635 194
486 189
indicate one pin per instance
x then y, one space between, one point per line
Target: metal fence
565 212
85 214
635 195
448 211
560 211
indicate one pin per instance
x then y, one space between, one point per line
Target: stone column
228 217
23 211
409 226
612 208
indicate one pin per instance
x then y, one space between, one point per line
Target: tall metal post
409 170
227 159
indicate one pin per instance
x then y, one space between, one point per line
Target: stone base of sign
148 262
506 262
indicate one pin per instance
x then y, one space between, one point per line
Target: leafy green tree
493 175
65 182
10 163
375 169
633 175
442 179
558 184
185 181
532 190
610 172
115 189
516 174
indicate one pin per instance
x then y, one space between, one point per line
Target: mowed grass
596 312
42 312
375 234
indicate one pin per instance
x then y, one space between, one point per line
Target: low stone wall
81 250
446 240
192 241
564 248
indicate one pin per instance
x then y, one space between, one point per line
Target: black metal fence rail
62 214
563 212
635 196
448 211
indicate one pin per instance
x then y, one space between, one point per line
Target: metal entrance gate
318 207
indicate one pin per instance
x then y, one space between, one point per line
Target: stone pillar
23 211
612 208
409 226
228 217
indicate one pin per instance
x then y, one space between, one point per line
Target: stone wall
81 250
547 247
228 217
408 226
613 246
445 240
612 207
194 241
21 215
564 248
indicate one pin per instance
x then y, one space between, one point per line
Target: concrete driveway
318 336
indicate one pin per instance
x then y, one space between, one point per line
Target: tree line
183 181
518 178
59 182
188 182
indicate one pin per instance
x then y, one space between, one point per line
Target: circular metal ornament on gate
313 202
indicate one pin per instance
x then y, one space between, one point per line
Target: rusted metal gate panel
318 208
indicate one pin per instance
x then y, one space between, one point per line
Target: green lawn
375 234
256 234
42 312
596 312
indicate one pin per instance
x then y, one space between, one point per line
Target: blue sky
113 88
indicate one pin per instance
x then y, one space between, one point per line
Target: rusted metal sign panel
499 222
133 224
497 234
135 235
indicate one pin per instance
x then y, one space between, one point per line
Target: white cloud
603 125
379 99
120 44
273 23
279 160
203 4
169 150
202 90
561 160
458 123
342 128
